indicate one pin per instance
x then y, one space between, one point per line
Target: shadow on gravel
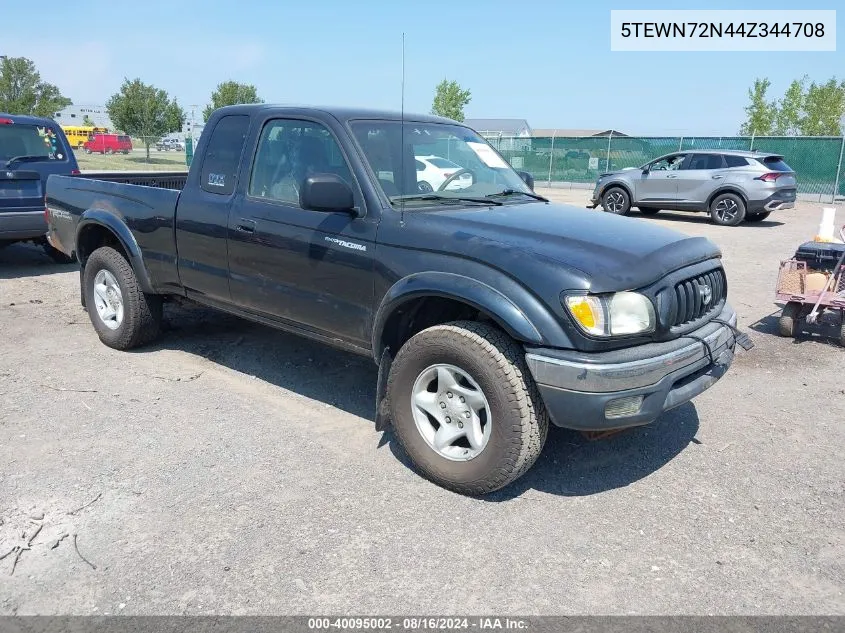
337 378
569 465
27 260
826 330
573 466
704 218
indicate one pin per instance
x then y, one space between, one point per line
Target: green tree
142 110
790 109
86 120
449 100
23 92
760 114
824 107
175 116
231 93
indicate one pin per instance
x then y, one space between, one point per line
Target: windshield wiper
20 159
434 196
514 192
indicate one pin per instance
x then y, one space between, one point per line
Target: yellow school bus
78 134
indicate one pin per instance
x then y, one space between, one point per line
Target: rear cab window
774 163
31 143
223 154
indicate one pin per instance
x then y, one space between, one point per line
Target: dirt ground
233 469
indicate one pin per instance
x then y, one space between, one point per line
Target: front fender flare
507 314
116 226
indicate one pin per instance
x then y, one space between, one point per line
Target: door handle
245 226
672 176
717 177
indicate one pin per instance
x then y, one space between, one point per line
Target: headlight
612 315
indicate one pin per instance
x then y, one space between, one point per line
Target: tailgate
20 190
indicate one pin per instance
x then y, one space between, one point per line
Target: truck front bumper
634 386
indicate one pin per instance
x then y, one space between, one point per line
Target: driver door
659 184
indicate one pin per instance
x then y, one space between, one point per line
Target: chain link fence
562 161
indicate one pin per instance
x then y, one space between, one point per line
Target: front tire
727 209
121 313
465 407
616 200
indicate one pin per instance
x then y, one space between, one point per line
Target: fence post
838 171
552 156
751 149
681 144
607 163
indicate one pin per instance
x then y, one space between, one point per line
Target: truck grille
697 296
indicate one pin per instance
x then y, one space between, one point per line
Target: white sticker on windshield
487 155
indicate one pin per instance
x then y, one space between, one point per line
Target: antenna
402 138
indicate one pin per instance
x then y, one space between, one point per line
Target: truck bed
161 179
138 206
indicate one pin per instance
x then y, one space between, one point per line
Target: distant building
574 133
75 115
500 127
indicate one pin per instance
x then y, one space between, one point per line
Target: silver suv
731 186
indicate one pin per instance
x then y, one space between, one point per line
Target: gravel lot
233 469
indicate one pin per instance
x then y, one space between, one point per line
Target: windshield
474 168
17 140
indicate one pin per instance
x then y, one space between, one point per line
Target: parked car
31 149
108 144
489 311
167 144
434 171
730 185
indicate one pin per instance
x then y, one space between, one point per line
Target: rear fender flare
503 310
116 226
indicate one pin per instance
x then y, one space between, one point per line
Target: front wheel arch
455 296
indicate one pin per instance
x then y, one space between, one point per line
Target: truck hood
611 252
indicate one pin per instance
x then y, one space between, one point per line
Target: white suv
731 186
434 171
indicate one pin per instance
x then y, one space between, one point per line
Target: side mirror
326 192
646 169
528 178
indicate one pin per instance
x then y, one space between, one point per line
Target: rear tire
789 318
508 437
727 209
119 292
757 217
649 210
616 200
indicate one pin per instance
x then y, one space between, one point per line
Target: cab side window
705 161
290 151
735 161
669 163
223 154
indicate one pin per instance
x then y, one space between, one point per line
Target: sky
547 62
